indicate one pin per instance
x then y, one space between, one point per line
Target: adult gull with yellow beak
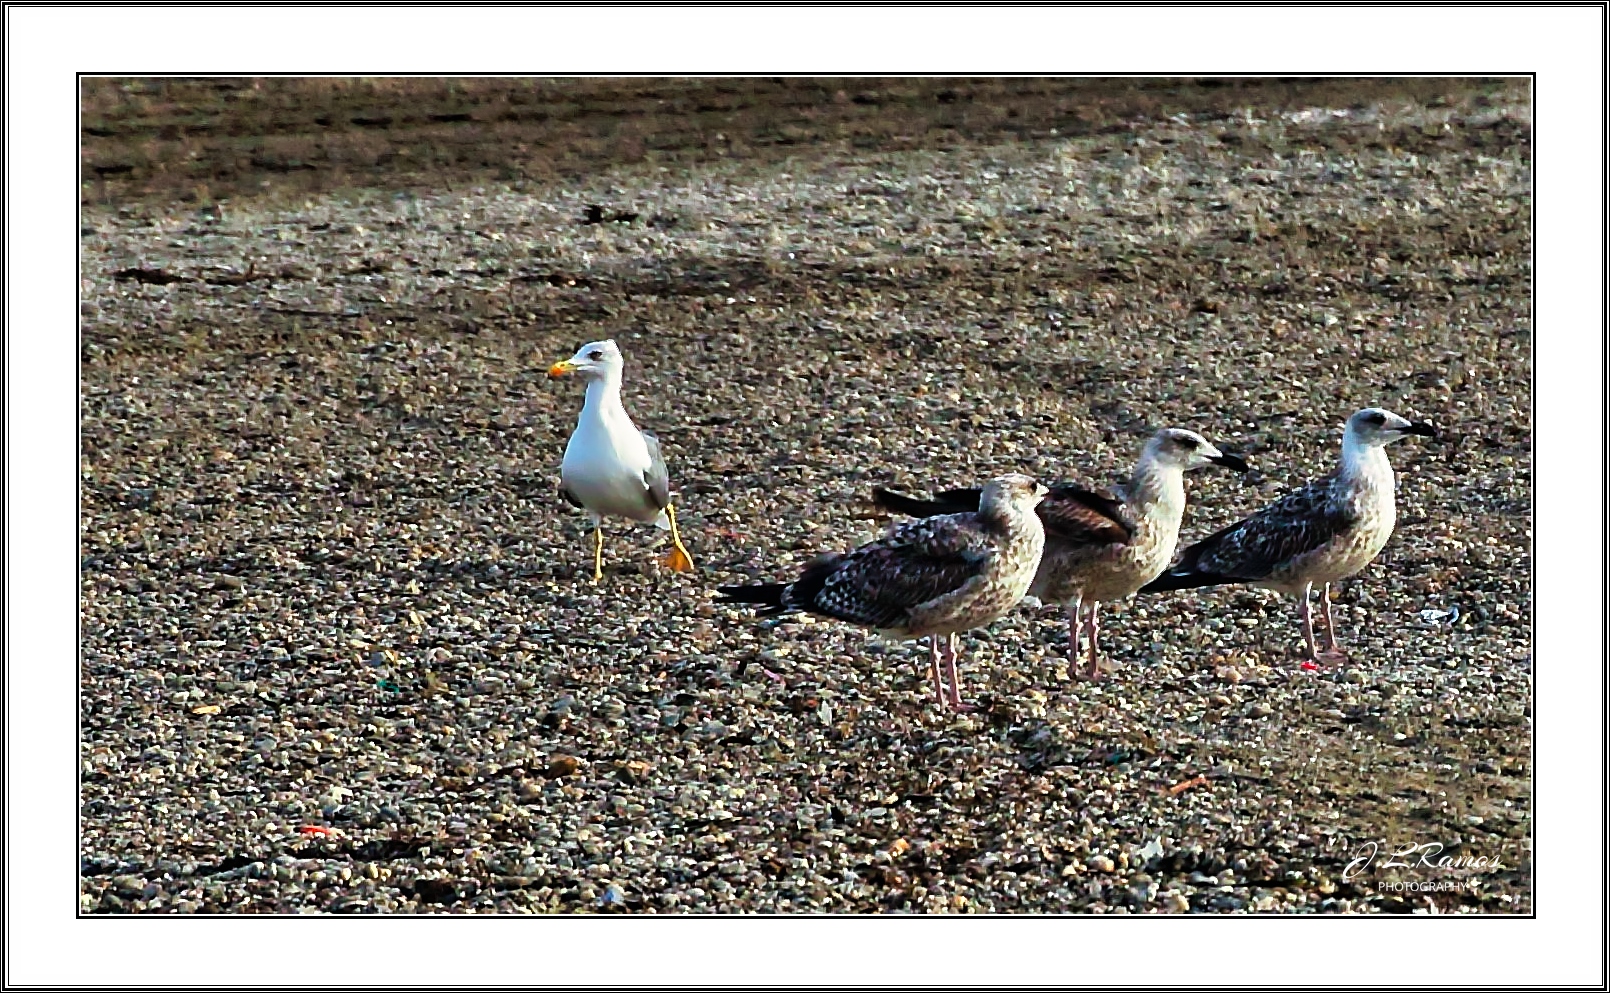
611 468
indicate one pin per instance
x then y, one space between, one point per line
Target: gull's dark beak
1229 461
1420 428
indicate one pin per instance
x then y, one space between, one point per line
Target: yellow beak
561 369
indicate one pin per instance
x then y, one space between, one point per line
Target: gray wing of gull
656 478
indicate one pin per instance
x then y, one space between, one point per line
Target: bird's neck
603 398
1157 491
1365 464
1006 516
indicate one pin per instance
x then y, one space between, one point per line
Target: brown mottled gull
925 579
610 467
1102 545
1319 534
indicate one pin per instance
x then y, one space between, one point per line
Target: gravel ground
340 651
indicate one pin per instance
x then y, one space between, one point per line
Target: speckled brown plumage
1102 544
926 578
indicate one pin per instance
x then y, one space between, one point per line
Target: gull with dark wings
1101 545
925 579
1316 535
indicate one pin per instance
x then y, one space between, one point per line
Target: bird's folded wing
656 477
1300 522
1075 513
1080 515
880 582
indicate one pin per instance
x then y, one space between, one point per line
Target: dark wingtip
1229 461
1420 428
899 503
765 594
1184 579
1159 585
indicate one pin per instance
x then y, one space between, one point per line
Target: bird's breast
1105 572
604 470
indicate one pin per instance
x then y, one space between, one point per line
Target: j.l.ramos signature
1422 855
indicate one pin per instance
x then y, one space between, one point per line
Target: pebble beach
341 651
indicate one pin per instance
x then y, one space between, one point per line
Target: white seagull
927 578
612 469
1100 545
1321 533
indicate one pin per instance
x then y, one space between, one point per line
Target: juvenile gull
1319 534
612 469
1101 545
930 578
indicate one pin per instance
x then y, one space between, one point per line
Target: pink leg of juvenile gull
955 680
1093 671
1074 611
1332 648
1308 623
933 668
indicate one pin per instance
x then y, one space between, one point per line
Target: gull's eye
1376 419
595 355
1189 444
